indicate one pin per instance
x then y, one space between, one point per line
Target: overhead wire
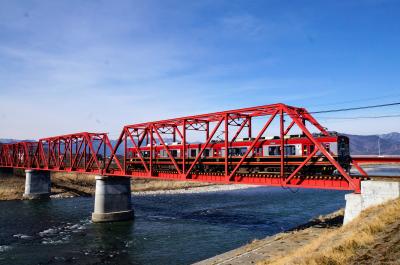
356 108
394 95
360 117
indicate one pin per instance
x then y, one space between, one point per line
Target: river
168 228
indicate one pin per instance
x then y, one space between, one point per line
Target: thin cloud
95 66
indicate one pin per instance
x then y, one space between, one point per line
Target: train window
237 151
174 153
258 151
193 152
274 150
290 150
163 153
343 148
232 151
327 148
312 147
206 152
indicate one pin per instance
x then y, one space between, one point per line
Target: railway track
277 175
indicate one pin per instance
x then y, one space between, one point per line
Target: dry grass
340 245
73 183
11 188
75 178
152 185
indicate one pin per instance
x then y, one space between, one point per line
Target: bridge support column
372 193
37 184
112 199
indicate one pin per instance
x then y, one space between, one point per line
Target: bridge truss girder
93 153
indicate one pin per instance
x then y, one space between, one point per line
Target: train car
263 159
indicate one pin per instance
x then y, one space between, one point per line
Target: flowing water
168 229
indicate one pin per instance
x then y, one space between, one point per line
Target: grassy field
12 184
372 238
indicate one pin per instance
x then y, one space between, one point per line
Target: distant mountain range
12 140
359 144
369 144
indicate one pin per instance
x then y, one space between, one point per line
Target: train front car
343 152
337 146
298 147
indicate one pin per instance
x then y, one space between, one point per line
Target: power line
357 100
357 108
360 117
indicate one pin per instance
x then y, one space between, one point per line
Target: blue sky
68 66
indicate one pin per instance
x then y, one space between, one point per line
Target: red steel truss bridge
93 153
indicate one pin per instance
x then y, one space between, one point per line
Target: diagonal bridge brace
354 184
229 178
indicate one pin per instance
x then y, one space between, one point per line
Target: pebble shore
211 188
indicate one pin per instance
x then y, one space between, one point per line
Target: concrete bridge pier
372 193
112 199
37 184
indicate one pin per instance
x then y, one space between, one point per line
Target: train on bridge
234 147
264 158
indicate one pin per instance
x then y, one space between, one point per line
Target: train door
308 149
208 152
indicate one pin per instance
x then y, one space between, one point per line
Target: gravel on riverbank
209 188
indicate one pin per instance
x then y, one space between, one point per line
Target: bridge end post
112 199
37 184
372 193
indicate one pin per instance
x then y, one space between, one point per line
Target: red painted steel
93 153
80 152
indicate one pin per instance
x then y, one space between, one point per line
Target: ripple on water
61 234
160 217
5 248
22 236
50 231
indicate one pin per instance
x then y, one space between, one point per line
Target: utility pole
379 145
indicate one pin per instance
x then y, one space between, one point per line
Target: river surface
168 228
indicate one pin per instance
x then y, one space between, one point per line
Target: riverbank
372 238
279 244
66 185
